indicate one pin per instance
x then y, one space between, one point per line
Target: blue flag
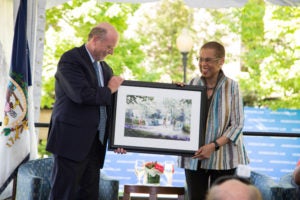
15 137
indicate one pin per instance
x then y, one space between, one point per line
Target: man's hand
114 83
120 150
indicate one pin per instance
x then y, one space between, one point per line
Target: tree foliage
268 58
163 26
68 25
269 54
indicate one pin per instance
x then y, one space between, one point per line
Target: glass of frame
158 118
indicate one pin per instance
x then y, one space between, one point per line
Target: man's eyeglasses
109 49
207 60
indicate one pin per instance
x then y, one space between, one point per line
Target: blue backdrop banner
274 156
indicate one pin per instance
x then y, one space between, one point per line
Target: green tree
254 51
68 26
160 29
283 69
270 76
269 58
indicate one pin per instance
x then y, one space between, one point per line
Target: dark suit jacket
75 115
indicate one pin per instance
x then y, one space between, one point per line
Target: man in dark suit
83 86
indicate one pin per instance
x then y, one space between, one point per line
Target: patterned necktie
103 116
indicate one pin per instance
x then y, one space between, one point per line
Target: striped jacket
225 118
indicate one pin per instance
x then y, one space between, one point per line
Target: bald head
296 175
110 30
233 190
102 40
103 30
107 26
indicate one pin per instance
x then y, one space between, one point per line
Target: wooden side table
153 191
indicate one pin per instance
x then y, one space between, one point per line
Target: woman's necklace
210 88
210 91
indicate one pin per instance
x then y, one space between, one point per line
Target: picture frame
151 117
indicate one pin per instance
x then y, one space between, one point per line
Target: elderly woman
222 147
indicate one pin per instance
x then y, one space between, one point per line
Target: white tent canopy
216 3
195 3
191 3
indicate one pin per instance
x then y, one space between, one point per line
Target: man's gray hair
98 31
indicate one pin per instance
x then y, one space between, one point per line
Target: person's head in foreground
296 174
233 188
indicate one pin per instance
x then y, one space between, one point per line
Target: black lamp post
184 44
184 62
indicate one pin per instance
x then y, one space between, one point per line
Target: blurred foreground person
296 174
233 188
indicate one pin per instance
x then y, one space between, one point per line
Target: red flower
155 166
159 167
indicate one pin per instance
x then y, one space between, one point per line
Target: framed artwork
158 118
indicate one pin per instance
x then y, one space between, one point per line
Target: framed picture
158 118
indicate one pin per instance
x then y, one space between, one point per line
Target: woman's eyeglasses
207 60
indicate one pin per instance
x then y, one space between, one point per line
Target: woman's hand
205 151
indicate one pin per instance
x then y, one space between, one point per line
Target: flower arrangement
153 171
154 168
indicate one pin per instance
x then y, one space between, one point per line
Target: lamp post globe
184 43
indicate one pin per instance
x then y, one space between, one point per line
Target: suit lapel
89 64
106 72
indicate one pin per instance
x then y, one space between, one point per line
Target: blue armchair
33 182
270 190
290 189
285 189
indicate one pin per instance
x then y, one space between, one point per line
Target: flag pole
16 137
14 188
